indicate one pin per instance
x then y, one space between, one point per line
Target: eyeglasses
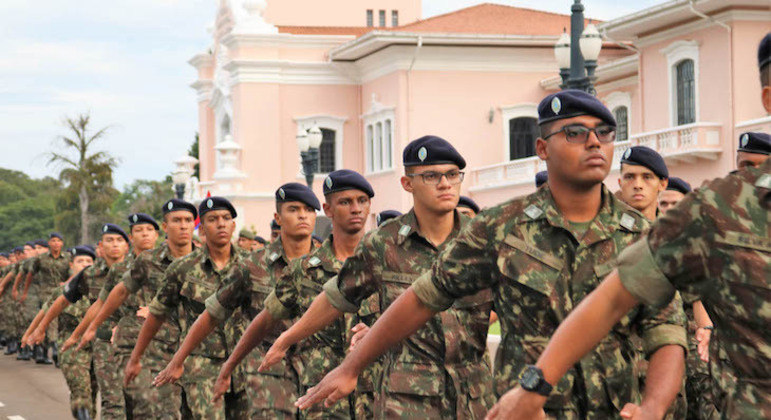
434 178
580 134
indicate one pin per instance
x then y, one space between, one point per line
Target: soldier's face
3 261
55 245
143 236
80 262
13 258
114 247
179 226
580 164
348 210
257 245
29 251
441 197
296 219
218 227
39 249
744 159
669 199
640 187
245 243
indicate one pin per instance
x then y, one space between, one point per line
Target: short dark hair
765 75
546 128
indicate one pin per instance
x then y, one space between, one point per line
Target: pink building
373 76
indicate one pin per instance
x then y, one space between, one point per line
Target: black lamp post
308 143
181 176
577 54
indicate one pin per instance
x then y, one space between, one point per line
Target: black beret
42 242
294 191
274 225
431 150
677 184
55 235
4 254
764 51
216 203
572 103
18 249
387 215
469 203
110 228
176 205
759 143
30 243
647 157
541 178
346 179
83 250
141 218
260 239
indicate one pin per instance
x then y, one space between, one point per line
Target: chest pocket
529 266
395 284
259 293
197 290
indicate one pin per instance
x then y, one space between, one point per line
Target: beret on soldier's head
246 233
431 150
647 157
677 184
111 229
572 103
346 179
55 235
18 249
141 218
216 203
467 202
541 178
764 51
274 225
83 250
294 191
387 215
42 242
30 244
759 143
260 239
176 204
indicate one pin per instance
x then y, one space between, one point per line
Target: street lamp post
577 54
181 175
308 142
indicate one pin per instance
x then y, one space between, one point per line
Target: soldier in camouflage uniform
441 370
237 301
27 298
187 283
542 254
5 262
7 303
16 320
347 205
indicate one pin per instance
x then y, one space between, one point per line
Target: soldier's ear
540 149
407 184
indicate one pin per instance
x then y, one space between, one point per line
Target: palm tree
87 172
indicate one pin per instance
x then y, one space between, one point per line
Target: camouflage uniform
6 325
143 280
271 394
715 244
368 385
47 273
187 282
31 305
441 371
540 267
698 374
15 312
89 284
294 292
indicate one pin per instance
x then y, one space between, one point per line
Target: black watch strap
531 379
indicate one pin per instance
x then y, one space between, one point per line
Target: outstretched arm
53 312
84 323
150 327
116 298
201 328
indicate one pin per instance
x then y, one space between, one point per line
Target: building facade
680 77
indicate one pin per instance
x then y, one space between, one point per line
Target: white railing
760 125
685 142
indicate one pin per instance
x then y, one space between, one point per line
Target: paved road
32 391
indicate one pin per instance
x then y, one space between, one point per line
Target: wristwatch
531 379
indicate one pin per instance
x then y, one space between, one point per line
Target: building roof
325 30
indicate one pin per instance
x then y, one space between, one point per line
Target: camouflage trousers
110 383
143 400
79 374
364 405
270 395
342 410
698 385
197 382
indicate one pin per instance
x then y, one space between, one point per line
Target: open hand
336 385
133 367
275 354
88 336
518 404
221 385
170 375
359 331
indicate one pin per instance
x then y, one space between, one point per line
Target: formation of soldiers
655 298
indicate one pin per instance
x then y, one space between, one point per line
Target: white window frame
675 53
618 99
378 116
329 122
510 112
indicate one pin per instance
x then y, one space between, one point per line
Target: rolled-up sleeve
336 297
430 295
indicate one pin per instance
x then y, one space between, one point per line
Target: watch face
529 379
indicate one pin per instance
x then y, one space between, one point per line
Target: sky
125 62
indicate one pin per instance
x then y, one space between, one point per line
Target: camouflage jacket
25 268
452 343
143 280
116 273
716 244
48 272
526 252
294 292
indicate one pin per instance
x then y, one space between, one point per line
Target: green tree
193 151
26 207
87 176
144 196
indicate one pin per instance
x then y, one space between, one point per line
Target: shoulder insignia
314 261
405 230
764 181
627 221
533 211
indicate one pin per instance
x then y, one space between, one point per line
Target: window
522 134
394 18
379 146
371 150
370 19
327 151
381 16
622 123
685 90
